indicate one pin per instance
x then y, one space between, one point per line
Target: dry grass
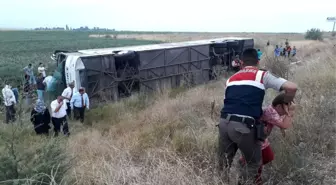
171 138
260 38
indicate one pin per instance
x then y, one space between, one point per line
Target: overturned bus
112 73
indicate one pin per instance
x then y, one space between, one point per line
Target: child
236 65
278 114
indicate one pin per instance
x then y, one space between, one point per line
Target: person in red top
289 49
279 114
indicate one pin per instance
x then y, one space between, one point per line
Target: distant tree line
82 28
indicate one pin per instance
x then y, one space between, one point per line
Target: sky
171 15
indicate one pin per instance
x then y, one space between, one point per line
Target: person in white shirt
47 80
58 116
48 88
41 69
9 101
67 95
79 102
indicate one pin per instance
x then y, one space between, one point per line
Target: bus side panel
171 68
151 70
100 78
200 64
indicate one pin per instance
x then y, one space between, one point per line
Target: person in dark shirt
16 94
284 52
40 87
40 117
286 43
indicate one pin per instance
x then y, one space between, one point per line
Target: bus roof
105 51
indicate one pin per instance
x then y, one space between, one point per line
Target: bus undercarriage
110 77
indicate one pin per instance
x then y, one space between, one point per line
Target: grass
171 138
174 140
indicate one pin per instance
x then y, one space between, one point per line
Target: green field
19 48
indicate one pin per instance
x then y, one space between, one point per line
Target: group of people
61 108
286 51
245 124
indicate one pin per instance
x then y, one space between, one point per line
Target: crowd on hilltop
286 52
61 106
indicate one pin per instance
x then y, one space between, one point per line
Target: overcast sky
171 15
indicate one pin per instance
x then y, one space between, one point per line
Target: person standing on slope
40 86
239 126
79 102
29 75
40 117
9 101
259 54
58 116
277 51
67 95
42 70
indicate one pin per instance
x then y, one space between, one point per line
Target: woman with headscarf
40 117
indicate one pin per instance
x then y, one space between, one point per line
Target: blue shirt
76 100
277 52
16 93
259 54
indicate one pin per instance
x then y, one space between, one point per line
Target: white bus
112 73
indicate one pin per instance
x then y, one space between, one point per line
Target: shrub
26 158
279 66
314 34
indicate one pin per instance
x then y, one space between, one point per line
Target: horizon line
33 29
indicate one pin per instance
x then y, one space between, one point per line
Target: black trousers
10 113
79 113
68 110
58 123
41 129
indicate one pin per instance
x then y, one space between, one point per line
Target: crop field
168 137
19 48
